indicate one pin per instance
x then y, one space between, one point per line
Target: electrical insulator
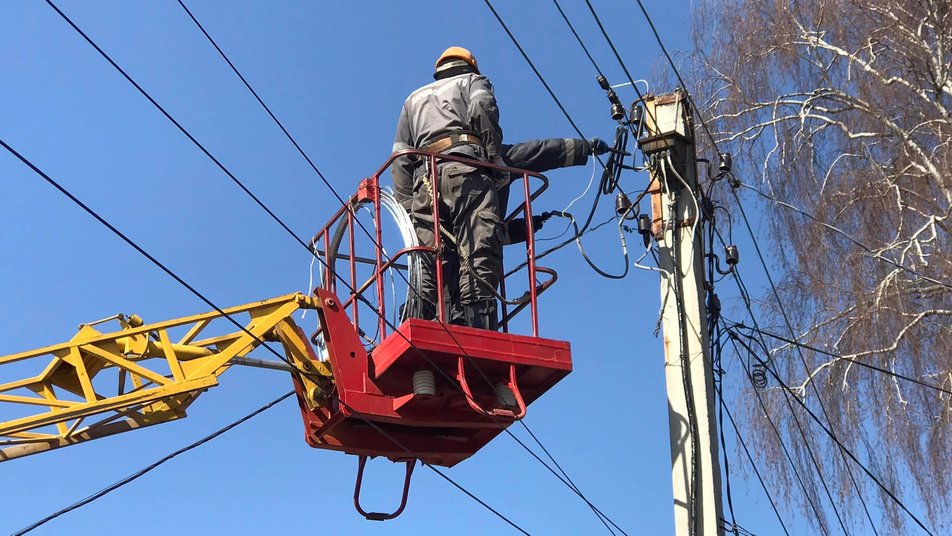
618 111
733 256
726 163
644 224
622 205
644 228
637 115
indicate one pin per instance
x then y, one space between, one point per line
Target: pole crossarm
102 383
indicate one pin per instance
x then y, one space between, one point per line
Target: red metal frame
369 192
373 410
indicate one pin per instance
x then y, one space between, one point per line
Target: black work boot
481 314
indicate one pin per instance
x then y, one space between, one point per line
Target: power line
803 360
750 458
577 38
805 440
300 150
844 358
128 479
227 172
621 62
537 73
134 245
138 248
570 482
259 202
849 237
677 74
786 453
263 105
790 394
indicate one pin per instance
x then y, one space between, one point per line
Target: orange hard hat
457 53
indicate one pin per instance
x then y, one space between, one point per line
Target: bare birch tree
843 109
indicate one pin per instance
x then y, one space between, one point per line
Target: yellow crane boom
99 384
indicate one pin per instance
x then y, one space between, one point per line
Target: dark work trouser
469 210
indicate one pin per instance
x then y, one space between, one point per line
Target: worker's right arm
543 155
402 168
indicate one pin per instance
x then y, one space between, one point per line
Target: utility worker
538 156
455 115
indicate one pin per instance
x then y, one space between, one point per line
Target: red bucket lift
429 391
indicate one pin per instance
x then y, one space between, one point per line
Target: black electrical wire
844 358
340 199
752 464
746 299
685 367
536 71
621 62
139 249
713 328
133 244
846 235
565 112
566 480
783 445
128 479
758 372
700 118
567 477
790 394
577 38
803 360
245 189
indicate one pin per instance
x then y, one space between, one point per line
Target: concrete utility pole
695 465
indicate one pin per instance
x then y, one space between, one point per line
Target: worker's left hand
597 146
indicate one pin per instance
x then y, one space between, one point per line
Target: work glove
597 146
517 227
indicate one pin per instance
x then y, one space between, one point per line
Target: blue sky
336 73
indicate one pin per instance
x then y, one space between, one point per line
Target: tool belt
453 139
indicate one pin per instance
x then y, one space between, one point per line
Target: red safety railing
344 221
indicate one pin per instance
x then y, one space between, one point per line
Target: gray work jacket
464 102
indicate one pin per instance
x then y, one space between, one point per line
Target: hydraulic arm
98 384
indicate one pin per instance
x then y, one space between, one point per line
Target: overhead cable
844 358
411 287
846 235
143 252
753 465
790 394
621 62
577 38
799 352
246 190
122 482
